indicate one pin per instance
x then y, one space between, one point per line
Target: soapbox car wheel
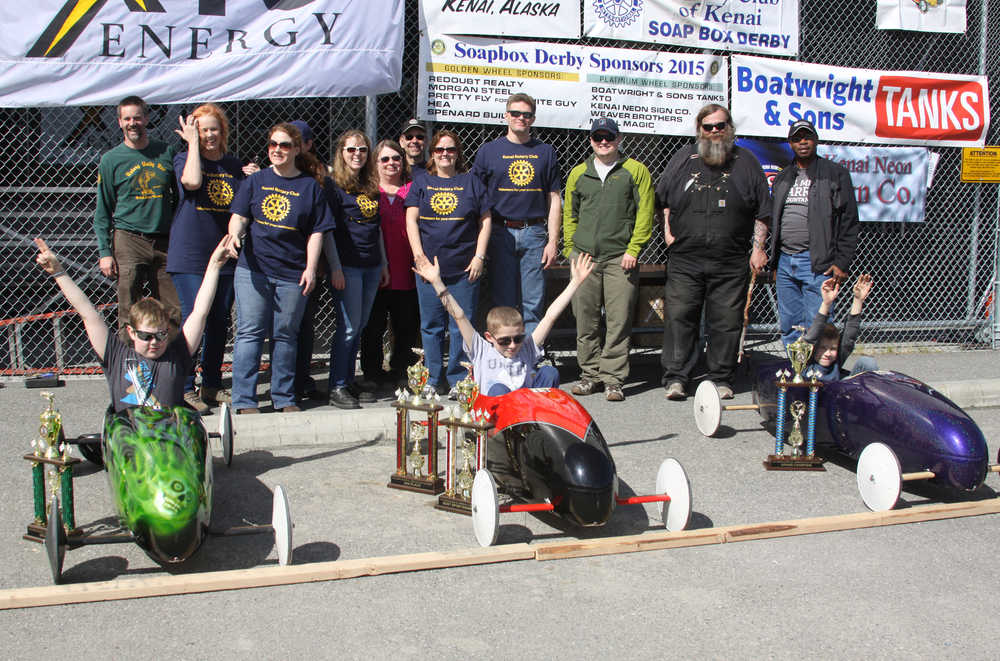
55 541
880 478
707 408
226 432
485 508
673 481
90 448
281 522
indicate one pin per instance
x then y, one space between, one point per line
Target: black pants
720 287
403 311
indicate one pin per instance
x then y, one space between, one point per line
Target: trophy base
431 486
455 504
36 533
781 462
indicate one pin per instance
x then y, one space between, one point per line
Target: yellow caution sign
981 165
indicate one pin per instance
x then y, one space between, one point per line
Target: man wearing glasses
413 139
715 201
522 177
814 230
608 214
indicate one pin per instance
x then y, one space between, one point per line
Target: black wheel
90 448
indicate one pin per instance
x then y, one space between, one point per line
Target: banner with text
859 105
497 18
469 80
921 15
761 26
63 52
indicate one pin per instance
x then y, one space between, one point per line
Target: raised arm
93 322
862 288
579 269
432 274
191 174
194 325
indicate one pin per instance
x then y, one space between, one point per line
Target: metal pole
371 118
978 193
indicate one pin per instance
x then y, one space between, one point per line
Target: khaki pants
143 259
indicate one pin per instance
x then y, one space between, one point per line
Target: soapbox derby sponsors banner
751 26
859 105
921 15
519 18
469 80
66 52
890 183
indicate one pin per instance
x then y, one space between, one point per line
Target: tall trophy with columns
417 413
796 385
466 429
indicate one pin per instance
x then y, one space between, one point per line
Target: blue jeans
265 306
213 346
545 376
354 304
434 320
519 251
799 294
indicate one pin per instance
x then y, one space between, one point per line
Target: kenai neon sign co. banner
95 52
860 105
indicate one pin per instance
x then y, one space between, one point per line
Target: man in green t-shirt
135 205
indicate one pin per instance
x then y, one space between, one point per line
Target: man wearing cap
715 199
413 139
814 230
608 214
523 180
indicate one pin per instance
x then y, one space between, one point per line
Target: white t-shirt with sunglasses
489 366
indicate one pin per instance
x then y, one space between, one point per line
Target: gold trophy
799 353
411 433
51 450
461 422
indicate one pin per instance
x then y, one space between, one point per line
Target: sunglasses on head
395 158
521 113
272 144
718 126
351 150
506 340
446 150
602 137
146 336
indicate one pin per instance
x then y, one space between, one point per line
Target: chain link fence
934 280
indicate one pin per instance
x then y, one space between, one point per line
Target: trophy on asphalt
51 450
466 431
416 428
796 386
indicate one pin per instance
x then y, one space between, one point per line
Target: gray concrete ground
917 590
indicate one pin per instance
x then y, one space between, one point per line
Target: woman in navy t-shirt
354 193
279 217
448 218
207 178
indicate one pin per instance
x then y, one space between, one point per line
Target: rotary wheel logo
521 173
220 193
618 13
368 207
444 203
275 207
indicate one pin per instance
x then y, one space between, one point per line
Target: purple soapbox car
897 428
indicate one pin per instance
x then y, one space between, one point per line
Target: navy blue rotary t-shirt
449 213
518 177
357 231
283 212
202 216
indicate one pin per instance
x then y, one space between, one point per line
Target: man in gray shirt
814 229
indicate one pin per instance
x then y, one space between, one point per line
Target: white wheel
226 432
673 481
879 477
281 521
485 508
707 408
55 541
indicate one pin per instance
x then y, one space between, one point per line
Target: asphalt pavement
916 590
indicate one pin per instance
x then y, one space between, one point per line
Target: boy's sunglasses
506 340
146 336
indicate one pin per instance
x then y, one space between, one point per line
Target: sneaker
363 396
675 390
292 408
586 387
725 392
216 396
614 394
343 399
247 411
194 401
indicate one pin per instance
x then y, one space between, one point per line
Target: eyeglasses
351 150
603 137
521 113
718 126
146 336
279 145
415 136
446 150
385 159
506 340
799 137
